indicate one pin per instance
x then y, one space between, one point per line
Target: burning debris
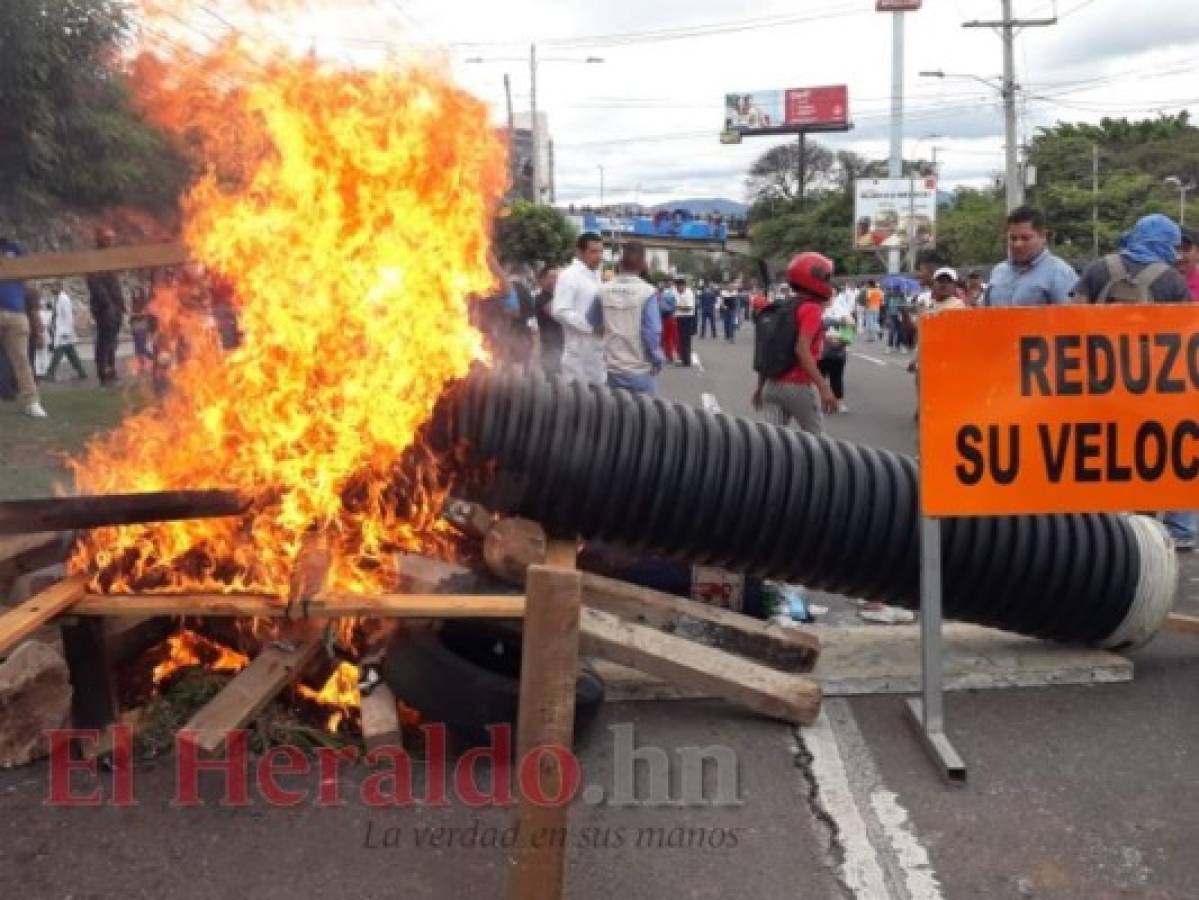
346 213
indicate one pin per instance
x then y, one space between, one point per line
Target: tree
775 174
972 230
534 234
67 129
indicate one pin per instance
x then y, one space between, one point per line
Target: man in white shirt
684 314
576 308
65 338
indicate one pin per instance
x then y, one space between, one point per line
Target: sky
650 113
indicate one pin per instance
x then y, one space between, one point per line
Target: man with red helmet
793 390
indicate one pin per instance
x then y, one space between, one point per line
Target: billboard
788 112
889 210
897 5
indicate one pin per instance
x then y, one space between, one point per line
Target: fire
340 694
347 213
187 648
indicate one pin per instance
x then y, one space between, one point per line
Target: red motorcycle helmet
811 273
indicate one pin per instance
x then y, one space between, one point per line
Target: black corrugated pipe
718 490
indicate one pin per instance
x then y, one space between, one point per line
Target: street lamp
533 125
1007 90
601 171
1183 189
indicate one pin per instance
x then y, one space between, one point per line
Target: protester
15 329
549 330
874 310
62 327
758 300
789 341
707 309
632 325
892 313
1144 269
107 302
684 314
1031 275
730 309
1188 260
838 335
576 308
975 289
667 301
1147 268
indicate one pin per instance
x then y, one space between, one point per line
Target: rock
35 695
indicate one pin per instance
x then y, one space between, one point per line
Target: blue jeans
1182 525
642 384
730 326
707 320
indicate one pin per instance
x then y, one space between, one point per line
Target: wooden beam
21 621
14 546
779 695
549 662
788 649
329 605
94 702
68 513
1179 623
273 669
86 262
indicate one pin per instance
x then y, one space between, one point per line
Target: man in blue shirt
707 310
15 329
1031 275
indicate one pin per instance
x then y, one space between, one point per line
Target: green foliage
67 130
971 232
535 234
1135 159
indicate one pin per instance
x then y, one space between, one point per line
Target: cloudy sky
650 114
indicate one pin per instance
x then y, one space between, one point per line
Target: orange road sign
1059 409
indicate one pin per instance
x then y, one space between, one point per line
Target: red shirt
809 319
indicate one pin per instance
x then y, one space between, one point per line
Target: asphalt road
1074 792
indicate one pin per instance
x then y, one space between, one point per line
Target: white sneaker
35 410
842 408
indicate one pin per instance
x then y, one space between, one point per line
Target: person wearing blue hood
1143 270
15 328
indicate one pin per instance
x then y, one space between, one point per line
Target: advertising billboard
788 112
890 211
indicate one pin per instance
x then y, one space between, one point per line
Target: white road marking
695 361
868 358
860 871
919 877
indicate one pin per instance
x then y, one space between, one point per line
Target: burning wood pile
348 215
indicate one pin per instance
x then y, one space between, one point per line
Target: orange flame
348 212
187 648
340 694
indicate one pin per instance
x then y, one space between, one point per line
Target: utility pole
549 146
895 165
1095 200
512 160
1007 27
533 127
802 173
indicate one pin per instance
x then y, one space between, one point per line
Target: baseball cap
946 272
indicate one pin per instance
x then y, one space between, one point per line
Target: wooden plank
328 605
276 667
68 513
779 695
788 649
549 660
86 262
1178 623
21 621
14 546
380 719
94 701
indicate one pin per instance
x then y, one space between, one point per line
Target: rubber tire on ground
467 675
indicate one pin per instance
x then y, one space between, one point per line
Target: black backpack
775 334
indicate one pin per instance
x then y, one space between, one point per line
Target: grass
33 451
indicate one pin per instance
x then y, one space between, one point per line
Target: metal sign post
927 712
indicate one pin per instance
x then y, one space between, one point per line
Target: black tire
467 675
